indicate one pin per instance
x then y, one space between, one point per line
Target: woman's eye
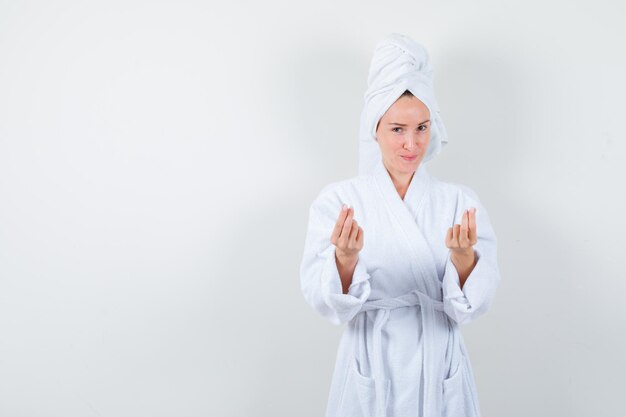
394 129
422 126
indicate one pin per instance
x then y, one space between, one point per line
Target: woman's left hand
460 240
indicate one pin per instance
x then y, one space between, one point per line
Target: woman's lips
409 158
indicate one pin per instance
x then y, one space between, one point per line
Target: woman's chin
408 166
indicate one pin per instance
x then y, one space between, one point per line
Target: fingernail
344 207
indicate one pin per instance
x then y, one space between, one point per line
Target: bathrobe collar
406 213
427 292
414 194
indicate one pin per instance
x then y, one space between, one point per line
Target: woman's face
403 134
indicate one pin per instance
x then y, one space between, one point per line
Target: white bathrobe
402 353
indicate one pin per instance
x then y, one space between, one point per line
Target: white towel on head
399 63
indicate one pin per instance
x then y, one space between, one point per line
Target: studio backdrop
158 161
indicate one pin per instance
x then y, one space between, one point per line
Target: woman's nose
410 142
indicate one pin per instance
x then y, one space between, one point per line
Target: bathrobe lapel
405 212
423 269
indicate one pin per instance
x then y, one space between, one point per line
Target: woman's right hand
347 236
348 239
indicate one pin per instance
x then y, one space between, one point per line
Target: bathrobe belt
428 307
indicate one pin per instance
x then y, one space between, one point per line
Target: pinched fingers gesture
347 235
461 238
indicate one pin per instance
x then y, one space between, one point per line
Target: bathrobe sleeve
475 298
319 276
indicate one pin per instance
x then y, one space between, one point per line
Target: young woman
419 262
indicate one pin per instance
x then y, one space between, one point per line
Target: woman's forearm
464 265
346 267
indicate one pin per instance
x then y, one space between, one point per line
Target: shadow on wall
552 315
480 95
273 342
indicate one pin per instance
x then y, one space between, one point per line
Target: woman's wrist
346 261
464 264
346 266
466 257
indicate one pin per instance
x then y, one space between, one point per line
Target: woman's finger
449 237
472 226
359 238
463 235
455 235
353 233
339 224
345 229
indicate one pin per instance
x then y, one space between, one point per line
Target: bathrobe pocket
366 390
457 401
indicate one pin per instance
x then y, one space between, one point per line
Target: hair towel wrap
399 63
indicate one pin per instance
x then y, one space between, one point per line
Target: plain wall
157 163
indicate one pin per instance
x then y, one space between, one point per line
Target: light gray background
157 163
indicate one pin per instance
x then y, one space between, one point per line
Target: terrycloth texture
399 63
402 352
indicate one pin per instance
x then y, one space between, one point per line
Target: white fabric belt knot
428 307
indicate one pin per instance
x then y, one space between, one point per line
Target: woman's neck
401 181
